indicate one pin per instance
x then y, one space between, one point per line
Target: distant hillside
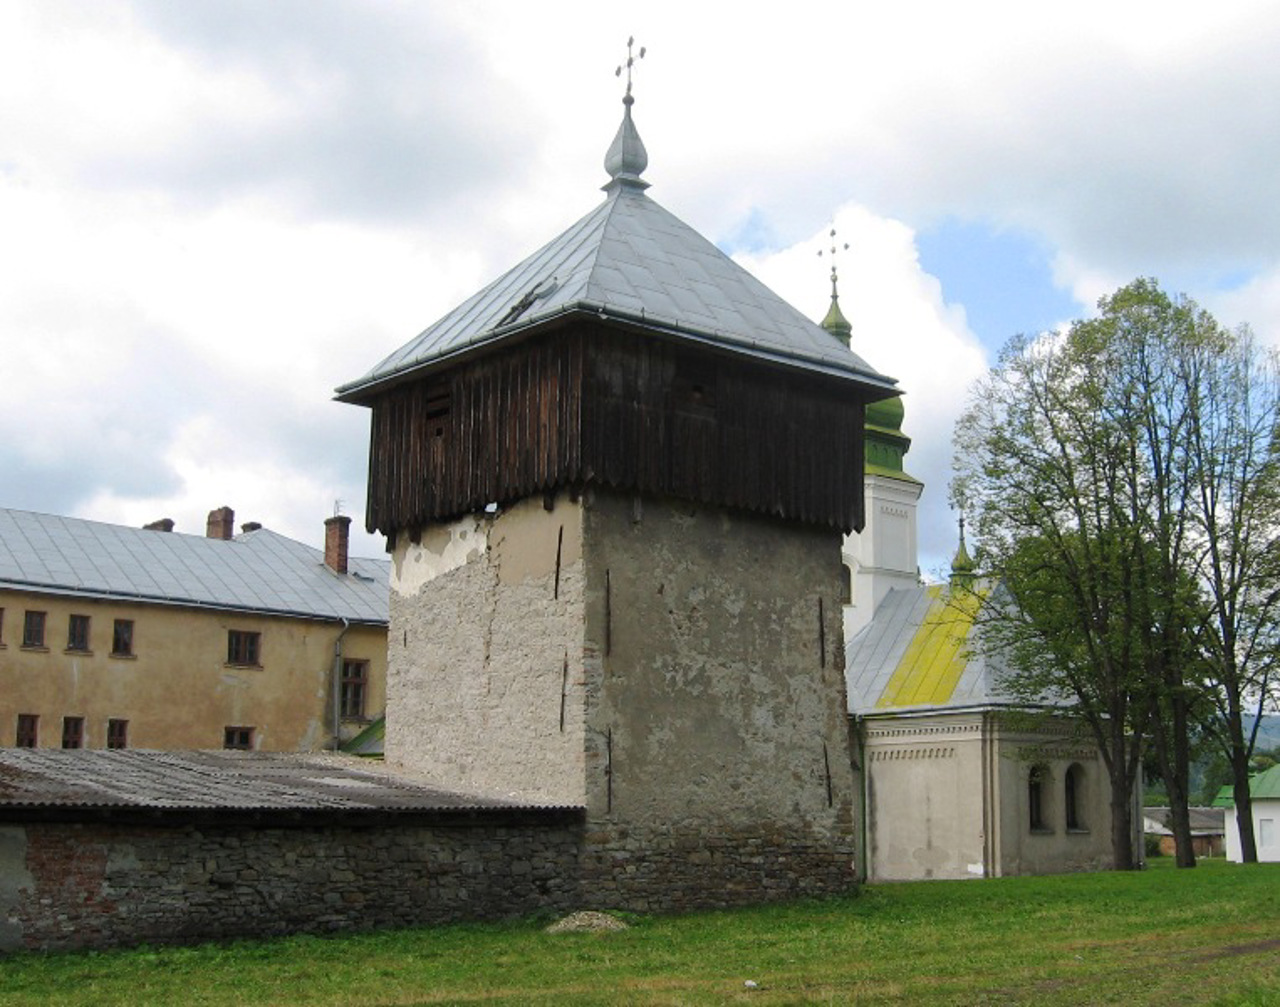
1269 733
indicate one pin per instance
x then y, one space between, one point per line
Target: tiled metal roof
916 653
630 260
1264 786
260 571
222 780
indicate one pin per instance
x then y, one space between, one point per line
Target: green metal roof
1265 786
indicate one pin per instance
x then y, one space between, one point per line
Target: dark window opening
694 387
122 638
240 738
355 679
33 629
1037 784
73 732
28 726
78 633
438 403
1073 792
117 733
243 648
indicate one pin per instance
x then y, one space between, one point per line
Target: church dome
887 414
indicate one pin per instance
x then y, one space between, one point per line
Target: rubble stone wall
96 885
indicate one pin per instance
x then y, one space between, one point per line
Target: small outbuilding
1264 790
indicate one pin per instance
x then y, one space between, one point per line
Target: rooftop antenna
337 508
627 99
835 322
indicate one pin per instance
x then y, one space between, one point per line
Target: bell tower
608 487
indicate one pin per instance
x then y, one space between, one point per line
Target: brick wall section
98 885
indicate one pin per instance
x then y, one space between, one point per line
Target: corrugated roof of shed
227 780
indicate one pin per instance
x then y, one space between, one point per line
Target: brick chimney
164 524
222 524
337 533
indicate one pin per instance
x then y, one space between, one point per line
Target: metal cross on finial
822 252
628 64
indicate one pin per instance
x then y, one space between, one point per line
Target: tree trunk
1238 755
1174 754
1244 805
1121 826
1123 762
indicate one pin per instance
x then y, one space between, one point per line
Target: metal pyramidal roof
629 260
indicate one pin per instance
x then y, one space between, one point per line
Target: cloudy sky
213 213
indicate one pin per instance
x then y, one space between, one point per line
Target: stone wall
718 768
92 885
678 868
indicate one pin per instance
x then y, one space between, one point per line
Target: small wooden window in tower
438 404
694 387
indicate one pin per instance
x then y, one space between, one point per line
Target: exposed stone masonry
101 885
96 885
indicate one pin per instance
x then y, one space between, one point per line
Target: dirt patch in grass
1236 950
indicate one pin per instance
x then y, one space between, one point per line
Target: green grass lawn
1207 936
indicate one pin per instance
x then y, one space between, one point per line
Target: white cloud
903 327
214 213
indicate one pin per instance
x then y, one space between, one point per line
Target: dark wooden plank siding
594 405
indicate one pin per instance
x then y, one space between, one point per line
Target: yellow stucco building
114 637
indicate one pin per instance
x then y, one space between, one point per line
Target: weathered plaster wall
177 690
948 797
86 885
716 733
485 653
925 797
1055 848
677 669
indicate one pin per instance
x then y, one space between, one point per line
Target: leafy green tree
1047 480
1123 481
1234 440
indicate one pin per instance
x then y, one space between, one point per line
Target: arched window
1037 794
1073 792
